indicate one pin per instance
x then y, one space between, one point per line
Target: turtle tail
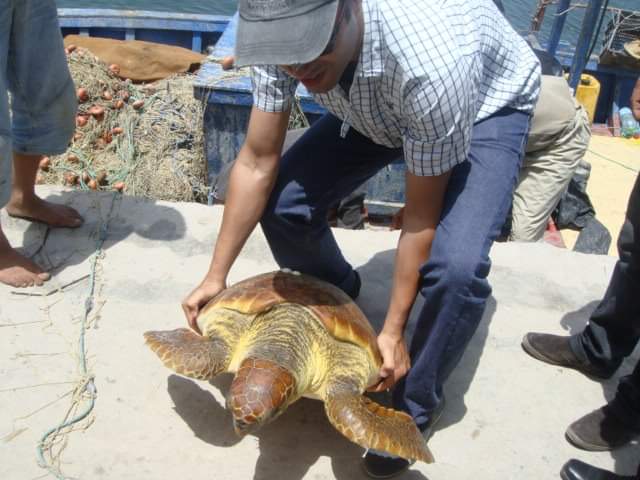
187 353
371 425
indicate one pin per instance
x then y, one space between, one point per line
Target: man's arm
423 208
250 184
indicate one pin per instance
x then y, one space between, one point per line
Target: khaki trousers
545 174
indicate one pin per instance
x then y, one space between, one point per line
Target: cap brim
285 41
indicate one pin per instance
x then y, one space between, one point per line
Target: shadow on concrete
288 447
56 249
574 322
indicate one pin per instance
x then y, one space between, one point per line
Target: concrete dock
136 259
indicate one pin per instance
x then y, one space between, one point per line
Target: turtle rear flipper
188 353
371 425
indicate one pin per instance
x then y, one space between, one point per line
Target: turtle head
260 391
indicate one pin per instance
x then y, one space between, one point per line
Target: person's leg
544 177
454 279
15 269
350 211
5 117
26 204
316 172
626 403
614 327
615 424
43 106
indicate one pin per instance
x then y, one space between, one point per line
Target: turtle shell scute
341 317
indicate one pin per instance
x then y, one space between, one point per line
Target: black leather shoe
577 470
600 431
377 466
555 349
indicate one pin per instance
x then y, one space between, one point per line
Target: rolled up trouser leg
43 94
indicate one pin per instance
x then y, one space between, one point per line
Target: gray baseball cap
283 32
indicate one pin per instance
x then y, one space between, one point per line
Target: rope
604 157
86 384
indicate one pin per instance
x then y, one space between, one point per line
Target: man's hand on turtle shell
395 360
198 299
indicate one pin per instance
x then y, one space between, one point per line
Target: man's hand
198 299
395 360
635 100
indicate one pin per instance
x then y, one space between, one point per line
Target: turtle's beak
245 418
243 427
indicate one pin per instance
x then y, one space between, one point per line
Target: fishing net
144 140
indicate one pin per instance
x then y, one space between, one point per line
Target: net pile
144 140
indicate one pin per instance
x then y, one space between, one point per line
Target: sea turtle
287 335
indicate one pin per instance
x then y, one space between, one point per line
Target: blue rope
89 385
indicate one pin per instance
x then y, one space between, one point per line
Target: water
519 12
210 7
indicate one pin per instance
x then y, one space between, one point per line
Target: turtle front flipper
188 353
371 425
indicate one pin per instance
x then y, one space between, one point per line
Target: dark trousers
322 168
626 403
613 330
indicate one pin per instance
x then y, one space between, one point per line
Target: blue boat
229 97
193 31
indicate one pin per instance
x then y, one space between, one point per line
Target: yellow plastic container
587 94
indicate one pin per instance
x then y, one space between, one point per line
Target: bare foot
52 214
17 270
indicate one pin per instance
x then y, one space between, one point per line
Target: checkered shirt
428 70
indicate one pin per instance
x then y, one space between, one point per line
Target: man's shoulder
410 31
392 13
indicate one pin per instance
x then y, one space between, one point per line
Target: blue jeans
33 67
322 168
